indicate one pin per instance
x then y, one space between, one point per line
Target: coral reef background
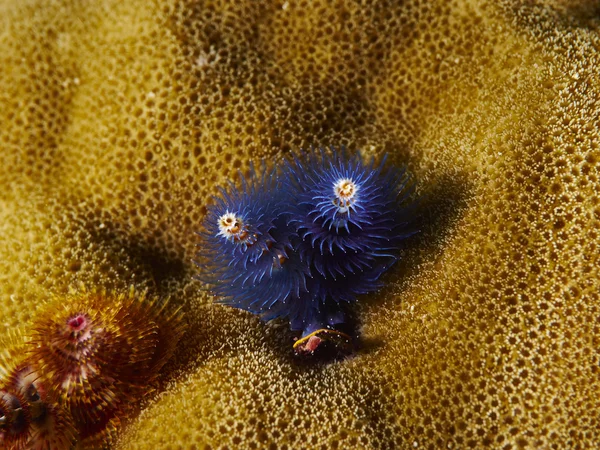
119 119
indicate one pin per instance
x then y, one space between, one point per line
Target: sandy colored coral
121 118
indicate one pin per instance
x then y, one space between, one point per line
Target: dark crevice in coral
144 259
439 209
163 268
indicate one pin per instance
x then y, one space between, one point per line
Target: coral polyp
305 241
15 417
31 416
81 368
50 426
52 430
14 420
98 351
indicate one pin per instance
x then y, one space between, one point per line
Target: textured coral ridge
120 119
304 241
87 360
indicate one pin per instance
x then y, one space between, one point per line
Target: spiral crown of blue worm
305 241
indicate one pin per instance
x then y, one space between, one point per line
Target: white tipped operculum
232 227
344 191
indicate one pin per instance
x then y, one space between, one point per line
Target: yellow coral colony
119 120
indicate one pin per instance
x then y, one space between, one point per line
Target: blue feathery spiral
305 242
350 216
244 244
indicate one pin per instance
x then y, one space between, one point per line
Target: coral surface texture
121 119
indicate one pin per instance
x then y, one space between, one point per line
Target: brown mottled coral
120 119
